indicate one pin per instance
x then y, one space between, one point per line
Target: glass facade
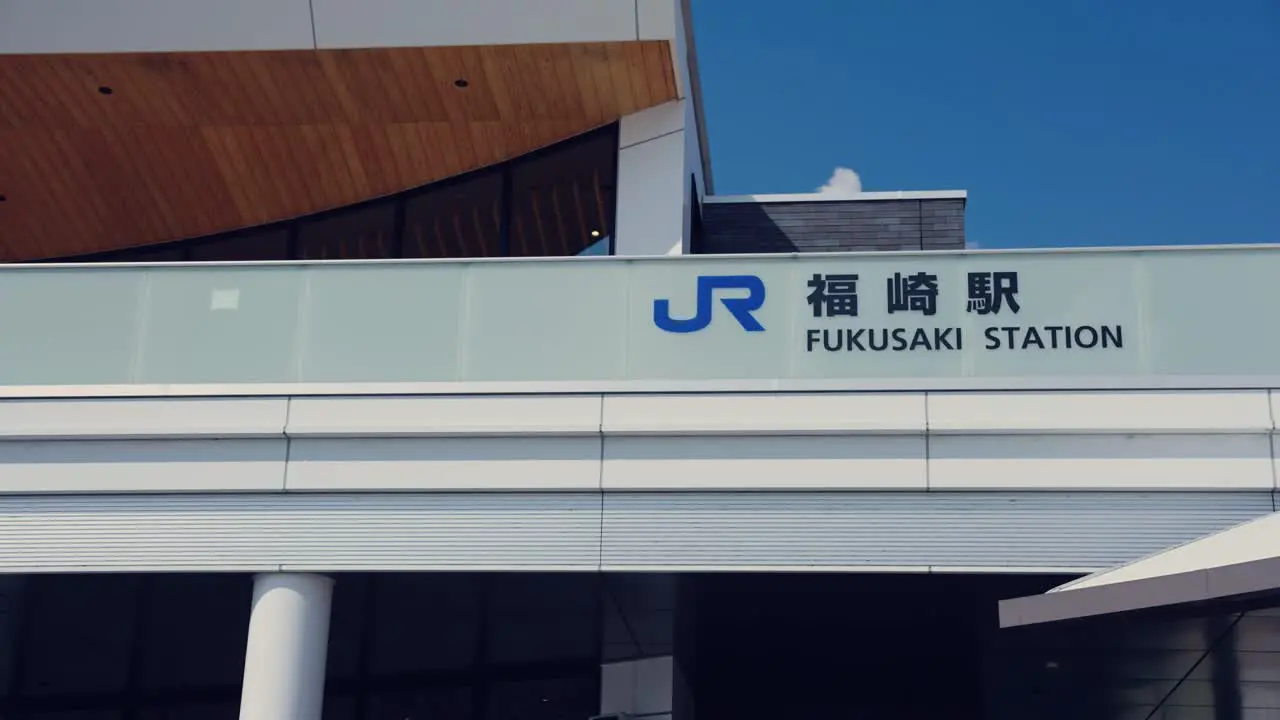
421 646
909 646
529 646
1213 662
557 201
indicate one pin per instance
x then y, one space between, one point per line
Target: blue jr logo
740 308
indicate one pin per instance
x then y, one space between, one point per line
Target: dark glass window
251 245
147 647
563 697
181 612
218 710
462 218
462 646
563 202
423 623
366 231
162 253
438 702
557 201
542 618
165 254
73 646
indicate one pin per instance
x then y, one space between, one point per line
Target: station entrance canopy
1238 564
1095 319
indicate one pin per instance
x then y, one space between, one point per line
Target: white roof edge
1244 542
824 197
1241 560
694 93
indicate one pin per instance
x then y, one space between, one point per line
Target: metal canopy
1240 561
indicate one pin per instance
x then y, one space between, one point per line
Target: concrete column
288 644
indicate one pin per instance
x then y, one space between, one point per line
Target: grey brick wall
831 226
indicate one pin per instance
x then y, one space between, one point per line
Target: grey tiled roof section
832 226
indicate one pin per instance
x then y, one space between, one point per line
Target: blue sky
1086 122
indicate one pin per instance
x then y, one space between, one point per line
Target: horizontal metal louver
439 531
566 531
941 531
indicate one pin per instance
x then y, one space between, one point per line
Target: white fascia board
1241 561
117 26
443 416
798 414
1022 413
440 23
651 124
142 418
824 197
657 19
1247 542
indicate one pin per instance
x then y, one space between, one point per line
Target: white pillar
660 150
653 213
288 643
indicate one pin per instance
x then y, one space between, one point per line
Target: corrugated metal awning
1237 562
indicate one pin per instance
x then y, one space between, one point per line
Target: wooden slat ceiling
100 152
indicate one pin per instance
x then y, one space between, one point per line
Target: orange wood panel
187 144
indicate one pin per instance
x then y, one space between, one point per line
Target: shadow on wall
740 228
831 226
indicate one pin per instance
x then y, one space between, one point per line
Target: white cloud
843 181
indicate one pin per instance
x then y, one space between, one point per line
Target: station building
391 361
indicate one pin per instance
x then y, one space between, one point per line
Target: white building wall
659 166
1013 441
826 441
908 481
171 445
660 157
653 182
74 26
410 23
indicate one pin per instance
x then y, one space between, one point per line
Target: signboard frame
1128 322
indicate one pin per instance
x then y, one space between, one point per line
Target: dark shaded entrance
848 646
898 647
